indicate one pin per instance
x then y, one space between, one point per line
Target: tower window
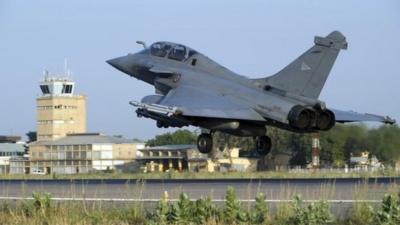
45 89
67 89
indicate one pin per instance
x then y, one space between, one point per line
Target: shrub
182 210
40 210
132 215
233 212
283 213
41 200
314 214
362 213
204 211
40 207
160 216
260 211
389 214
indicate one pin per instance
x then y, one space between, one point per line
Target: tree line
337 144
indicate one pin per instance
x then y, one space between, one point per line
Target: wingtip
389 120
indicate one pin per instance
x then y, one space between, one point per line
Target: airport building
10 146
187 157
166 158
59 110
82 153
365 162
62 145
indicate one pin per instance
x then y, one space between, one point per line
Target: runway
275 189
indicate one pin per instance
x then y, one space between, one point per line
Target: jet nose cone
117 63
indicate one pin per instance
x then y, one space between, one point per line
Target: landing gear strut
263 145
161 124
204 143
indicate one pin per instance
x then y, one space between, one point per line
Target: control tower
59 110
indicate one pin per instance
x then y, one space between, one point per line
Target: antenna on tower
65 67
67 71
45 74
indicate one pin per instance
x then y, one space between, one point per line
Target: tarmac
338 189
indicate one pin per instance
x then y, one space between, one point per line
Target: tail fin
307 74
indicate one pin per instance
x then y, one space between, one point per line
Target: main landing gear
263 145
205 144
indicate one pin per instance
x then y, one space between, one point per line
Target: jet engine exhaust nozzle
301 118
325 120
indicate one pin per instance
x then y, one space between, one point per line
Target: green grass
214 175
42 210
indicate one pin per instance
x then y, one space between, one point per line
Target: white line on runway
175 200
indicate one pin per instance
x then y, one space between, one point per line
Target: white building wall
102 156
118 162
99 147
102 164
106 154
5 160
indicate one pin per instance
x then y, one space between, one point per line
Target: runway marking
175 200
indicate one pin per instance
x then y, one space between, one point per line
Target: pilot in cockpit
174 51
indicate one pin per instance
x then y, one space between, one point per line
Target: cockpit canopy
173 51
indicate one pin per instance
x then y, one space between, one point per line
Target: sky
253 38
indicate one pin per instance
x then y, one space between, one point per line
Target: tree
32 136
341 141
281 139
356 140
178 137
300 144
384 142
226 141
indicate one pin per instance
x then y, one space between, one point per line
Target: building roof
169 148
358 159
85 139
11 147
9 139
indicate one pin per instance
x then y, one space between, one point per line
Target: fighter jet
192 89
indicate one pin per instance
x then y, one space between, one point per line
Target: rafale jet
192 89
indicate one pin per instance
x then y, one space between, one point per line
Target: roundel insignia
304 66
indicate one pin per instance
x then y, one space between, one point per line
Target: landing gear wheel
204 143
263 145
160 124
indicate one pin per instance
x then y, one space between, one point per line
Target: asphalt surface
275 189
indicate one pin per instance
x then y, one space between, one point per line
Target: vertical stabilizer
306 75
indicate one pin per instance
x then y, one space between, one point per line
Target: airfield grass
43 210
293 174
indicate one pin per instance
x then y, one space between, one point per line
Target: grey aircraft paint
192 89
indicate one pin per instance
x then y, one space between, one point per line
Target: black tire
263 145
204 143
